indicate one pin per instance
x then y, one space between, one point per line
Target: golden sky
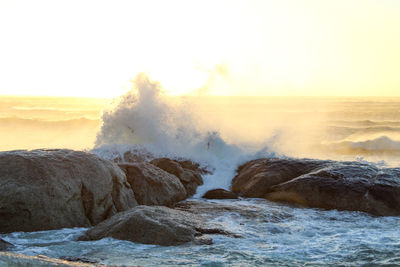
280 47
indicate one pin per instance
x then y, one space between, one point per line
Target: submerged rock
219 194
21 260
78 259
152 185
4 245
236 214
187 172
154 225
322 184
211 209
52 189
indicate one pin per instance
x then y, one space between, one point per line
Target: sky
279 48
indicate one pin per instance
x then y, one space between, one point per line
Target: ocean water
38 122
276 235
221 133
327 128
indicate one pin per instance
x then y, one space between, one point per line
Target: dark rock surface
194 166
187 172
211 209
256 177
322 184
152 185
4 245
219 194
77 259
52 189
134 156
155 225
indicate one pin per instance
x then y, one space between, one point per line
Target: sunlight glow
288 47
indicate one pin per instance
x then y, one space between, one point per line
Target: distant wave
341 132
365 123
41 108
382 145
37 123
364 114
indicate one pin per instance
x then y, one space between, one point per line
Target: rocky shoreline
352 186
143 201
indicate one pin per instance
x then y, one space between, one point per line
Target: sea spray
146 123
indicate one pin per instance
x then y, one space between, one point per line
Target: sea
221 132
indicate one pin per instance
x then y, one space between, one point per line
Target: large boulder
256 177
322 184
187 172
152 185
154 225
52 189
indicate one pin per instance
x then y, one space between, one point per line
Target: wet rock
256 177
152 185
212 209
77 259
52 189
187 172
203 240
21 260
4 245
232 210
194 166
219 194
135 155
154 225
323 184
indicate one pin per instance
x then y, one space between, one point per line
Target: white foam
146 122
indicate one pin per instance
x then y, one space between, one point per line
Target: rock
154 225
21 260
135 155
152 185
256 177
203 240
194 166
323 184
211 210
4 245
52 189
77 259
187 172
219 194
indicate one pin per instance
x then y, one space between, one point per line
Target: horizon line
191 95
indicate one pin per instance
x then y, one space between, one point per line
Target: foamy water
276 235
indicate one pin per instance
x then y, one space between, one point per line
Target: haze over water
316 127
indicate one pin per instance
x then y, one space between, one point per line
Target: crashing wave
144 117
144 123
